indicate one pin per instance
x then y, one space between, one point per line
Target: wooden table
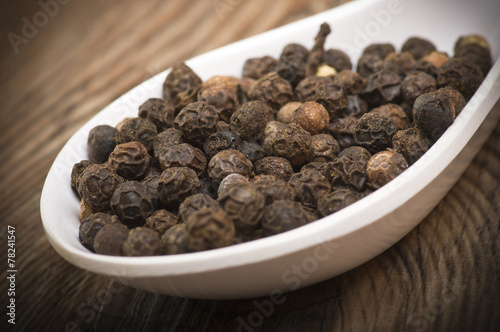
443 276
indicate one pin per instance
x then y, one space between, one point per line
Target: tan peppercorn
312 117
383 167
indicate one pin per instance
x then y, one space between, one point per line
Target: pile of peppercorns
231 160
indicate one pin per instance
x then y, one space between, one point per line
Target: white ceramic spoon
334 244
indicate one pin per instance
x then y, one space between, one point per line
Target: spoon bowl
334 244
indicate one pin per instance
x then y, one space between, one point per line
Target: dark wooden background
443 276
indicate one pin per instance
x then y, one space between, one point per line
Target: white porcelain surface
334 244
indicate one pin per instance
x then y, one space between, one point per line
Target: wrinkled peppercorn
337 59
476 48
77 171
312 117
336 201
272 127
342 130
100 143
183 155
132 203
329 171
137 130
418 47
426 67
356 106
369 64
181 86
90 226
394 112
461 74
399 63
293 143
167 138
129 160
173 241
380 49
141 241
222 82
353 82
109 239
374 132
434 112
351 163
197 121
223 100
383 167
227 162
324 148
222 126
273 90
273 188
292 63
282 216
176 184
415 84
249 121
231 180
209 228
96 186
161 221
258 67
324 91
411 143
219 141
192 204
277 166
252 150
159 112
244 205
381 88
309 185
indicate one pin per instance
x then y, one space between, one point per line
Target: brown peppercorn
222 82
356 106
399 63
395 112
351 162
411 143
324 91
77 171
293 143
273 188
132 203
282 216
100 143
381 88
324 147
258 67
418 47
109 239
197 121
209 228
426 67
222 126
342 130
249 120
272 128
227 162
192 204
380 49
176 184
181 86
436 58
167 138
309 185
96 186
312 117
374 132
141 241
129 160
476 48
183 155
353 82
369 64
277 166
219 141
252 150
151 182
173 241
161 221
337 59
336 201
244 205
273 90
383 167
231 180
461 74
415 84
224 100
434 112
159 112
137 130
90 226
292 63
287 112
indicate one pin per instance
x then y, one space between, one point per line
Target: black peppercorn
227 162
224 100
383 167
132 203
380 49
129 160
292 63
394 112
282 216
141 241
96 186
418 47
324 148
176 184
219 141
173 241
231 180
293 143
309 185
382 87
476 48
351 163
336 201
273 188
109 239
90 226
161 221
252 150
337 59
159 112
100 143
181 86
209 228
137 130
356 106
411 143
183 155
277 166
76 171
399 63
192 204
369 64
374 132
415 84
197 121
325 91
249 121
167 138
461 74
258 67
273 90
343 131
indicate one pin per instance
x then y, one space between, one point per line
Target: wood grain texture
443 276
